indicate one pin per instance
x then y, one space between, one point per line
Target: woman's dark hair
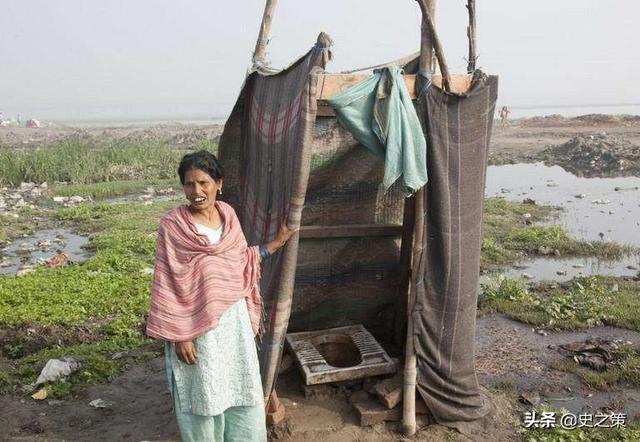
203 160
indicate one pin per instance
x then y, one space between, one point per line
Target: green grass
512 231
108 295
100 191
84 160
581 303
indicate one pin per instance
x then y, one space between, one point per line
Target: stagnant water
26 252
596 209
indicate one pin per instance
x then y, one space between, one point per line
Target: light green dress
226 375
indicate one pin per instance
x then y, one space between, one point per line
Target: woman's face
200 189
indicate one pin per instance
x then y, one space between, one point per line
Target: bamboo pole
428 41
471 34
263 35
400 322
410 368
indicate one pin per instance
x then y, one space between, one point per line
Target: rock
561 272
632 267
389 391
530 398
26 186
100 403
76 199
24 270
370 412
60 199
542 332
600 201
527 276
44 185
580 196
529 201
56 369
544 250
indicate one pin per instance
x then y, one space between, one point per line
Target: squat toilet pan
338 354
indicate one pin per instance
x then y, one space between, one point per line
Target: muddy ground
512 358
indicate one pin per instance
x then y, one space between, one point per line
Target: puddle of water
618 219
16 254
540 269
582 218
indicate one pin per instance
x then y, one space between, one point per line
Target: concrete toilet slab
338 354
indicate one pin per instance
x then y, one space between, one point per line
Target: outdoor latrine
363 254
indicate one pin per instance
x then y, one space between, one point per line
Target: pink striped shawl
195 282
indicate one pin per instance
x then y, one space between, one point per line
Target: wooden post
263 35
425 64
430 27
471 34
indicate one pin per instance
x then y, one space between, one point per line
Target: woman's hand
186 352
284 233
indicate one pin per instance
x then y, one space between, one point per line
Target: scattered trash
596 353
527 276
40 394
62 258
100 403
580 196
600 201
561 272
56 369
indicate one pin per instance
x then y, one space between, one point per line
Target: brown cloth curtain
265 150
447 269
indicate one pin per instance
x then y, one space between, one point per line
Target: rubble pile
595 155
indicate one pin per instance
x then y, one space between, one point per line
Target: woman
206 306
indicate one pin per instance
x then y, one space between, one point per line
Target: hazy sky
83 59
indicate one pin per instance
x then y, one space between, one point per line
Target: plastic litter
56 369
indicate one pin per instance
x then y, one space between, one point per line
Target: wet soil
514 357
